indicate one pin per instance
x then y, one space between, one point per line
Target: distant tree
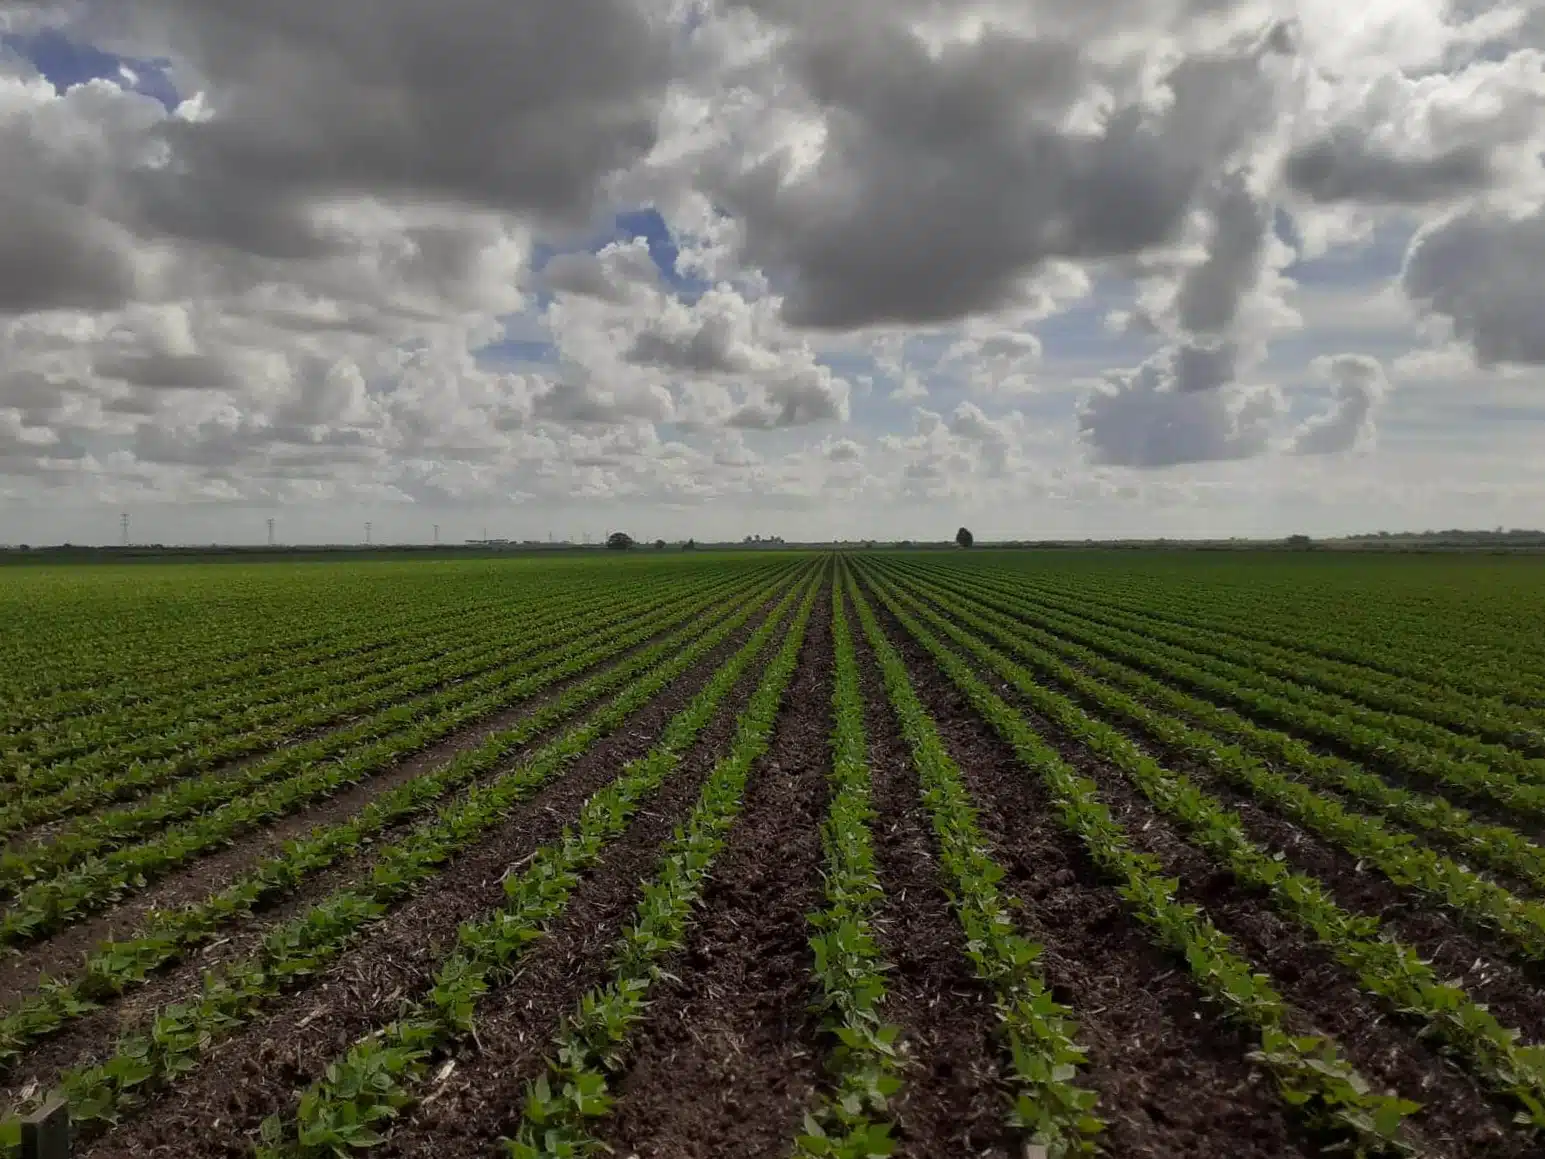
964 537
659 545
690 545
1299 541
619 541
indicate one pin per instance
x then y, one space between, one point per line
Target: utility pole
123 525
437 535
367 533
270 531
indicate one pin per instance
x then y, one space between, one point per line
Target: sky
815 269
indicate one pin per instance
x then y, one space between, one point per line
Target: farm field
1151 854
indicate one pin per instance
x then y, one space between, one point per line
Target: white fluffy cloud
908 253
1178 407
1360 385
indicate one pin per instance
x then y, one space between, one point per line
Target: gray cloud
1210 293
510 107
948 177
609 275
1347 166
1484 273
1145 418
1360 385
709 348
166 371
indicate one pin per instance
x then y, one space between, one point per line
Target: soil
731 1054
953 1100
260 1066
1491 969
1172 1076
63 952
1458 1117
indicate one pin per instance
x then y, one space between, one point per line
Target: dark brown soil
1483 963
257 1070
953 1101
1173 1077
481 1099
1483 808
730 1055
1457 1119
62 953
45 833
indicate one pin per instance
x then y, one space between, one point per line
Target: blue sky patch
65 62
645 223
519 350
1379 260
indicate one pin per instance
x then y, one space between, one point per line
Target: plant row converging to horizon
1318 814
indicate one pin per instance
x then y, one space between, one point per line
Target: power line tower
123 526
367 533
270 532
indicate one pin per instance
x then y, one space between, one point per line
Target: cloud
1413 140
1000 362
469 102
1155 417
947 174
1482 271
918 256
1360 386
1344 166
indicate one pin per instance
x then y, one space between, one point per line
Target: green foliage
589 1049
236 992
864 1062
524 660
1039 1032
1387 968
1315 1080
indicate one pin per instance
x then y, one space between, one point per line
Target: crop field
973 853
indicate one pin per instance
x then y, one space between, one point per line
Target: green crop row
513 655
1458 616
50 904
1038 1032
1497 846
235 993
274 636
162 724
1306 686
1469 778
1313 1077
1387 968
365 1088
1425 646
502 658
118 966
562 1104
850 968
1237 618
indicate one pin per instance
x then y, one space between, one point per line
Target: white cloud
1360 386
1074 243
1159 416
